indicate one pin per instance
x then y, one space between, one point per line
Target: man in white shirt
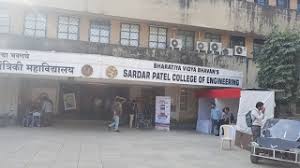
258 115
47 110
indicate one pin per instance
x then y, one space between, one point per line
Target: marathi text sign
44 68
46 63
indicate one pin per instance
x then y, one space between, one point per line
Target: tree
278 64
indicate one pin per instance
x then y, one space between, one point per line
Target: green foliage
277 62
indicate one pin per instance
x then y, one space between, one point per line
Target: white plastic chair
227 134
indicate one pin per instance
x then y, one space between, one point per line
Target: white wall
9 90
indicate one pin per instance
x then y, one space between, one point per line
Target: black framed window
212 37
68 28
100 32
257 45
284 4
130 35
237 41
35 25
4 21
187 38
262 2
157 37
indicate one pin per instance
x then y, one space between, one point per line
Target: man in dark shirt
117 112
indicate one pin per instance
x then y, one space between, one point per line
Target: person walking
117 112
47 111
215 115
132 113
258 114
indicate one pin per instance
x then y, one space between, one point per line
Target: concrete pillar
293 4
201 36
135 92
249 46
115 32
144 35
170 34
84 28
173 32
52 22
173 92
225 40
17 15
272 2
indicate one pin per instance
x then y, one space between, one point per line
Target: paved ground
71 146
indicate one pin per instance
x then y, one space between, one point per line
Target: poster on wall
69 101
162 112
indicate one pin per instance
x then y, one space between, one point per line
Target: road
92 146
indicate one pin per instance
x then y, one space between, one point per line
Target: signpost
162 112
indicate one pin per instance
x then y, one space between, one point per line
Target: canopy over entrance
228 93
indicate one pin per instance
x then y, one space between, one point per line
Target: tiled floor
92 146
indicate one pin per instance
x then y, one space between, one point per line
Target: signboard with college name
154 71
47 63
114 68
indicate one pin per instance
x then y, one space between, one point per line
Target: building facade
93 50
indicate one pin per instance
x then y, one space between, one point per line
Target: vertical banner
162 112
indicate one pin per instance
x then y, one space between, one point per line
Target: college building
86 52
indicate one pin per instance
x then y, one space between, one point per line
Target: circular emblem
87 70
111 72
174 43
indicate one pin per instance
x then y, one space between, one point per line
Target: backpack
249 119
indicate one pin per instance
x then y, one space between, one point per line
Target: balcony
243 64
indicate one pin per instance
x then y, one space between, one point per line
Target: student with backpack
254 119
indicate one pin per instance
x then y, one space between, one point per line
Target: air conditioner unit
175 43
202 46
215 48
227 51
240 51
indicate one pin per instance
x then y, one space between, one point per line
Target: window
187 38
257 45
298 6
262 2
100 32
183 99
4 21
157 37
237 41
68 28
35 25
210 37
130 35
284 4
